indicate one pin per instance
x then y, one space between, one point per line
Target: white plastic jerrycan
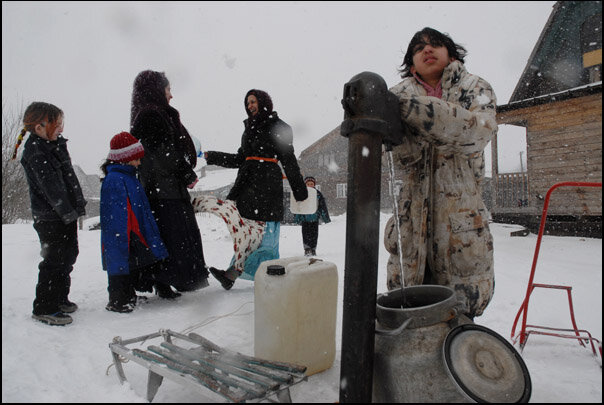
295 304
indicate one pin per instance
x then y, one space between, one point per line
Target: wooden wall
564 143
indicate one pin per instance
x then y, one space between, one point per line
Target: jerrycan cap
275 270
484 366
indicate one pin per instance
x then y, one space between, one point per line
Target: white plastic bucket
306 207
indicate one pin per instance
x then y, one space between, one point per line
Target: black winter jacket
54 189
258 188
167 167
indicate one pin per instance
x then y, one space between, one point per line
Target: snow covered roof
573 30
588 89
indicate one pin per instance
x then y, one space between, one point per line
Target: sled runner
200 364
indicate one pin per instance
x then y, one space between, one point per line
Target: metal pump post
371 117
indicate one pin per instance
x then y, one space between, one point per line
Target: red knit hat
124 148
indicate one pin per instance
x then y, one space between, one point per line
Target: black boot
165 291
221 276
68 307
120 294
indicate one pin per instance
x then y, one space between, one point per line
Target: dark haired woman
266 146
166 172
449 115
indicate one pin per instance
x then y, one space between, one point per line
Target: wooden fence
511 191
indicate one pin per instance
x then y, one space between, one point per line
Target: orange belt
273 160
265 159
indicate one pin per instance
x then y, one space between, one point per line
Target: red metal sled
581 335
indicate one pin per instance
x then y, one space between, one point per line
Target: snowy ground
41 363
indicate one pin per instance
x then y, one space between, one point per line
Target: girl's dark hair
265 104
104 165
434 38
148 90
35 114
103 168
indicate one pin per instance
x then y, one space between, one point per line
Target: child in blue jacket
131 247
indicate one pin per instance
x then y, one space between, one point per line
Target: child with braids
56 204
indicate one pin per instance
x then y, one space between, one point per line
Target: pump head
370 107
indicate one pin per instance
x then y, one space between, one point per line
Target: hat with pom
124 148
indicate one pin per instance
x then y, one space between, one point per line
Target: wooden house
559 101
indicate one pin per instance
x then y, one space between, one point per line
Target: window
342 189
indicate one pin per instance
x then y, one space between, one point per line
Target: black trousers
310 234
122 288
59 251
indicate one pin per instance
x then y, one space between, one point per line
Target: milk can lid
275 270
485 366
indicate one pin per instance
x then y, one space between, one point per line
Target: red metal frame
524 334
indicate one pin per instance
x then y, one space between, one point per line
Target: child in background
131 246
56 204
310 222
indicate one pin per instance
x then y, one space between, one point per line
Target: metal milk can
426 352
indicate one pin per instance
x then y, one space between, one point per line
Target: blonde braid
19 140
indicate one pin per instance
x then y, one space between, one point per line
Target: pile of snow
43 363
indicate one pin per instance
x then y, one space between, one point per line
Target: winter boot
68 307
226 278
120 294
307 252
138 299
165 291
58 318
116 306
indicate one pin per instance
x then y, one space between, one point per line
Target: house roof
333 138
589 89
556 63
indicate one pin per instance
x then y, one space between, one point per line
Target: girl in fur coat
449 116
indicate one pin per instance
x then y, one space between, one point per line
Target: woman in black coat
166 172
266 146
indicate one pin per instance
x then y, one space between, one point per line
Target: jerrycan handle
275 270
392 332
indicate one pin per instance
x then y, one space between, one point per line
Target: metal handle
392 332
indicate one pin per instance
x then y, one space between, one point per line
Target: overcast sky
84 56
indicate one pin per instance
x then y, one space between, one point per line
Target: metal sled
200 364
526 330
